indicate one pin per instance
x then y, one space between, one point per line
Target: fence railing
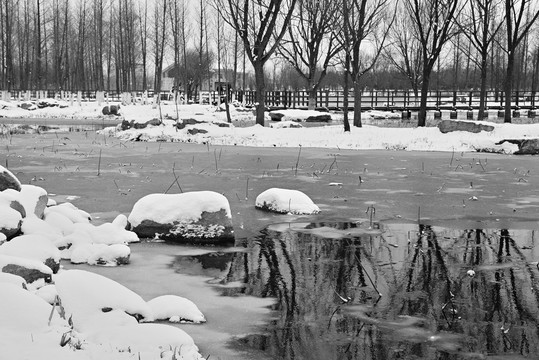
397 99
329 99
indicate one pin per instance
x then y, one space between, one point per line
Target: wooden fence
328 99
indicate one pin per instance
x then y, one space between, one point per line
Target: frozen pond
341 290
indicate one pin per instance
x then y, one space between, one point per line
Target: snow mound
12 279
30 270
146 338
21 310
86 295
286 201
167 208
176 309
100 254
35 247
47 293
33 198
71 212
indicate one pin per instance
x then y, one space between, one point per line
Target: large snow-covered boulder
8 180
30 270
286 201
176 309
198 216
33 198
34 247
87 296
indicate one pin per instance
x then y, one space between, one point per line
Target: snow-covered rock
198 216
72 212
285 124
22 310
47 293
100 254
30 270
59 221
8 180
176 309
298 115
11 216
33 198
34 225
12 279
286 201
85 296
144 338
34 247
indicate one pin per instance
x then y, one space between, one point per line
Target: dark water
387 291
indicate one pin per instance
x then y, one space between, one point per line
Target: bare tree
310 44
7 15
365 28
160 27
520 15
404 52
434 25
480 27
177 25
261 26
143 29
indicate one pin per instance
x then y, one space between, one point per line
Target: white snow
9 218
185 207
24 262
286 201
47 293
86 295
298 114
147 337
12 279
29 197
175 309
21 310
34 246
70 211
99 254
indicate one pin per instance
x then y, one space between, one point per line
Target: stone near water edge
319 118
286 201
447 126
525 146
193 217
275 116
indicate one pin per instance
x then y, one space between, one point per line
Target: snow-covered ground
207 123
33 328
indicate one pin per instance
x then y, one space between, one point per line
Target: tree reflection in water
431 307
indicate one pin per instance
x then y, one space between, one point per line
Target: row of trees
415 34
125 44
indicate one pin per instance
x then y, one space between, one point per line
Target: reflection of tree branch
292 305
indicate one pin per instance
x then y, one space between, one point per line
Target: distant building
227 76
